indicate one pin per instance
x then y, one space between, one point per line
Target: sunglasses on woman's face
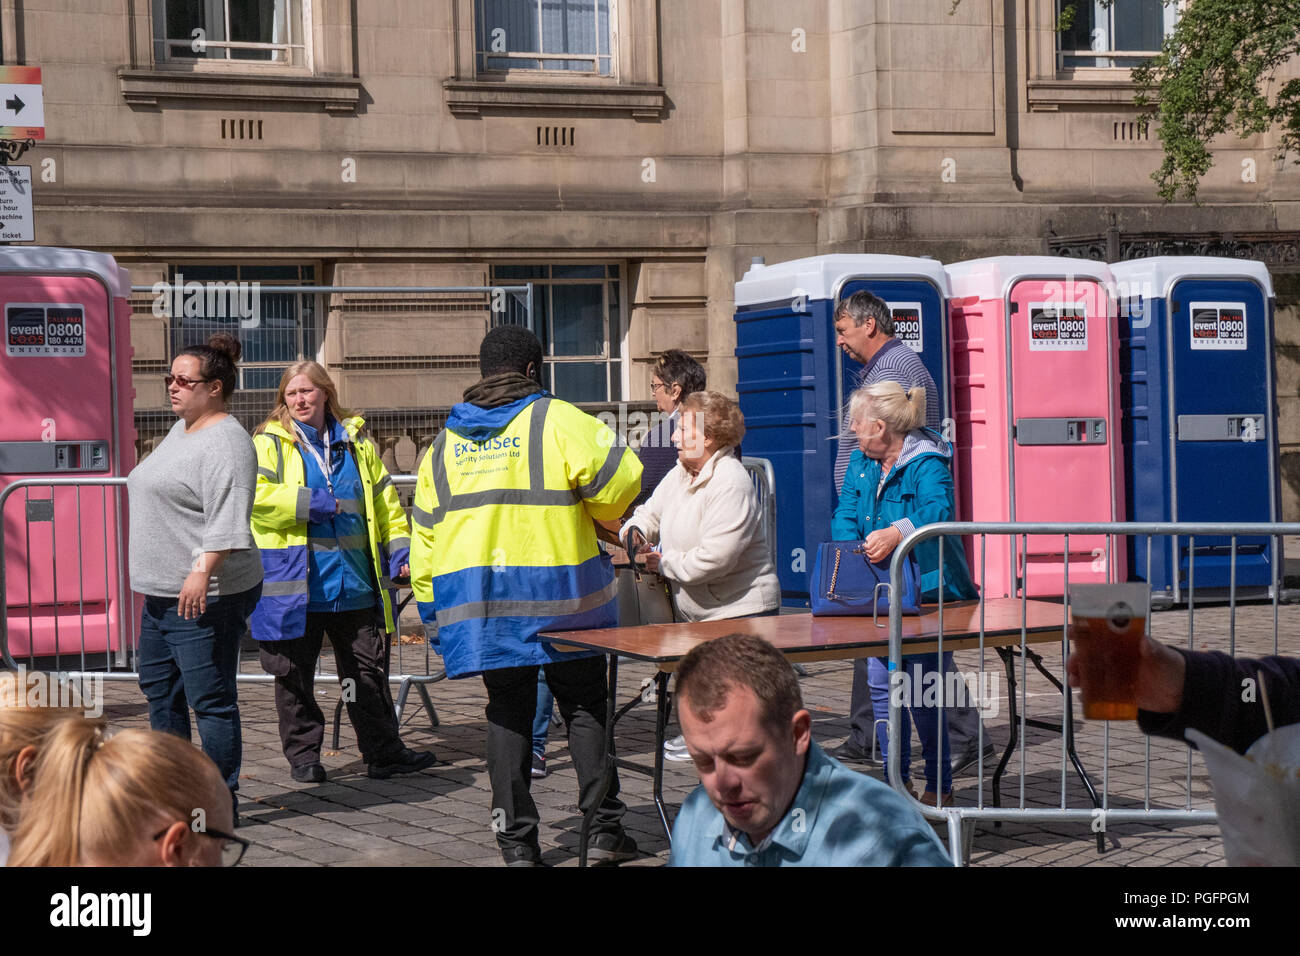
182 381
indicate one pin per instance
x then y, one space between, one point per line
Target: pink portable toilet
1035 363
65 386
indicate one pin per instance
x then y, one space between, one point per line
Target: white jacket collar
707 469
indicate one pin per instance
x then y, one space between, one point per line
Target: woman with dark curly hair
193 556
674 376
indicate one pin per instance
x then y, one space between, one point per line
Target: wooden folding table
1002 624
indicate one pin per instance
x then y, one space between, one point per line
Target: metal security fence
400 355
1106 773
63 575
68 603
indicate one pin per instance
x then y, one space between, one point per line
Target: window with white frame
1123 33
577 315
549 36
249 31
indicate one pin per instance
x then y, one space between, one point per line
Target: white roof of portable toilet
1159 273
820 277
992 278
50 261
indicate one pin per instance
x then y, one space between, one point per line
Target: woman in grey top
193 556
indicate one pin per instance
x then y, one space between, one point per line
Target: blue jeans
186 664
929 726
542 719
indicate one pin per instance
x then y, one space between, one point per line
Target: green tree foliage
1218 73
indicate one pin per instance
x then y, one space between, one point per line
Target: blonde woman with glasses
137 798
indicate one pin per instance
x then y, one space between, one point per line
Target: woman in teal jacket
898 480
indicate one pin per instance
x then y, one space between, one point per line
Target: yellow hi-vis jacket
503 546
280 514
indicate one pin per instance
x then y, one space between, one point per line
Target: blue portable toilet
1200 417
793 382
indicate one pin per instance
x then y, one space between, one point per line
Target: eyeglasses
655 386
232 847
182 381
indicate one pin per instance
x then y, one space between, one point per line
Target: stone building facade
629 157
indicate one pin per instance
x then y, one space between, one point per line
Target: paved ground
442 816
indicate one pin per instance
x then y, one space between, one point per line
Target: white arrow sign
22 107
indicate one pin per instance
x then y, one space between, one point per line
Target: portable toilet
793 382
1034 376
1200 436
65 385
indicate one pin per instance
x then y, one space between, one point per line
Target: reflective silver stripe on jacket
302 507
348 542
607 471
283 588
553 608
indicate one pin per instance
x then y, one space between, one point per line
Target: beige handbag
644 598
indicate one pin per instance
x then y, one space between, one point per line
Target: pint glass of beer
1107 624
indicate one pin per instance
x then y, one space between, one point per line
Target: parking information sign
16 220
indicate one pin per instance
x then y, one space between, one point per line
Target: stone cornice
1055 95
471 97
157 87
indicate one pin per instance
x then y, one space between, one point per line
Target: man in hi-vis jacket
504 547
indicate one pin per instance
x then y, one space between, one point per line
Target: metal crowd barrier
121 655
1099 801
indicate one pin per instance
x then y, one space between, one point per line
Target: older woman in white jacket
704 517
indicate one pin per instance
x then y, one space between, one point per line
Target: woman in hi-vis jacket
334 539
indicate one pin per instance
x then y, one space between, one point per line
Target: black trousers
361 654
579 687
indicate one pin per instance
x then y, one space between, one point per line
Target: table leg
1008 658
1009 663
1068 730
607 779
662 710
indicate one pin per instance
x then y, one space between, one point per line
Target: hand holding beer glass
1107 629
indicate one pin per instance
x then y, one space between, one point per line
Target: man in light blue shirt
768 795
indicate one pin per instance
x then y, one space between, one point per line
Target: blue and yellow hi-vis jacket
281 510
503 543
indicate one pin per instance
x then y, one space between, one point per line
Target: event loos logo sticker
1058 327
1218 326
907 324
